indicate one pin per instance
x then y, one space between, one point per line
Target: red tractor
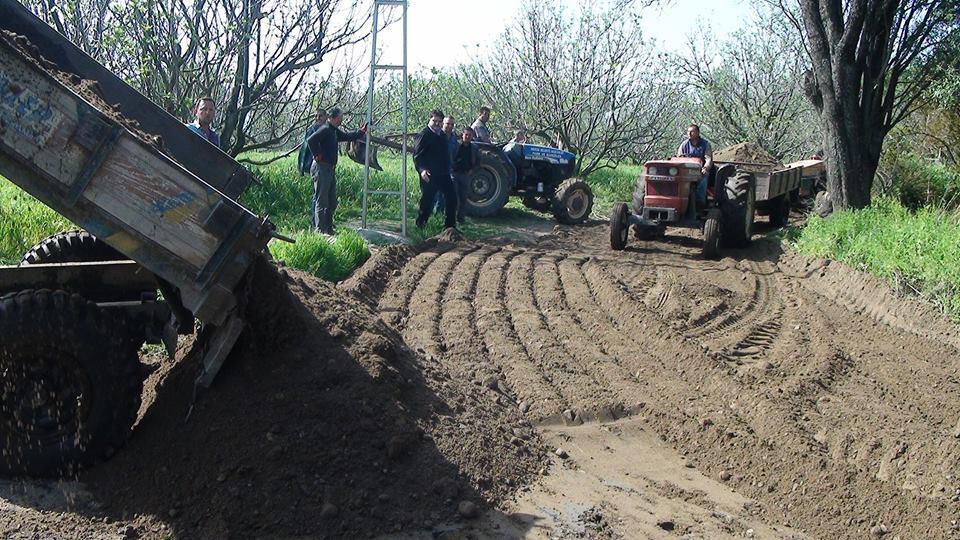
665 195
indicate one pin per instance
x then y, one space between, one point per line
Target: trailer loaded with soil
736 192
164 243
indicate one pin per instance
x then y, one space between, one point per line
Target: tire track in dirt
743 328
599 324
567 324
576 384
422 330
395 301
458 318
497 325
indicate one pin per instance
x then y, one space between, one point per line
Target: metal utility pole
380 131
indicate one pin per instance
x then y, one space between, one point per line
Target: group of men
444 162
442 159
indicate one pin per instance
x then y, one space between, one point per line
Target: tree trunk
852 155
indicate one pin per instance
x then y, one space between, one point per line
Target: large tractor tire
780 211
490 183
70 246
619 226
712 234
573 202
738 210
70 385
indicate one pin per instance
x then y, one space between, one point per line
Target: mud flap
221 343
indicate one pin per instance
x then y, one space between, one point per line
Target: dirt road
810 390
561 389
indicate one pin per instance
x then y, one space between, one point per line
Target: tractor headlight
652 170
673 171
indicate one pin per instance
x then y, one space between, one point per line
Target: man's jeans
702 189
324 196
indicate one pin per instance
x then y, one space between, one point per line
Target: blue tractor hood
549 154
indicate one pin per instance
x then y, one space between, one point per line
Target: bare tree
870 63
749 87
266 62
586 81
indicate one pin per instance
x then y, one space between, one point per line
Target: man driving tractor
696 146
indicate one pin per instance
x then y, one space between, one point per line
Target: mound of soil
322 422
746 152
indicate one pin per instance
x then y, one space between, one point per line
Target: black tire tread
70 246
559 207
54 320
619 228
712 235
505 172
733 209
780 211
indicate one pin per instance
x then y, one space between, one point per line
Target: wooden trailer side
98 174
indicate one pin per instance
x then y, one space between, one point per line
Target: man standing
464 160
203 112
323 145
480 126
452 146
696 146
431 156
306 158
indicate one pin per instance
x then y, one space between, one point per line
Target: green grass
24 222
916 251
332 259
613 185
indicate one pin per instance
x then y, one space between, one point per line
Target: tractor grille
662 189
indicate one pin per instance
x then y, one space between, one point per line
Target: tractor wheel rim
482 187
577 204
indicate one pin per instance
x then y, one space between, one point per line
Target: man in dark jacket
323 145
431 156
306 157
464 160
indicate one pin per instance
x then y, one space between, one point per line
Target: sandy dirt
746 152
554 389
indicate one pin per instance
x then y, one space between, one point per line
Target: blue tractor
541 175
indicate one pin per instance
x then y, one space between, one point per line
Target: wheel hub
482 187
576 204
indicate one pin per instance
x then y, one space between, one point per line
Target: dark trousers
461 180
324 196
429 190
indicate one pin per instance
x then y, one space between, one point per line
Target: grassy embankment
917 251
284 195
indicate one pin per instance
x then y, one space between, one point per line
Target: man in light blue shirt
204 112
696 146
